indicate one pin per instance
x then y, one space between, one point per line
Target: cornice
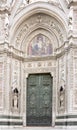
14 53
43 58
65 50
11 51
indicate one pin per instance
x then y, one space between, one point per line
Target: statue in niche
40 46
61 97
15 98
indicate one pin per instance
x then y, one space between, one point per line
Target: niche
61 97
15 100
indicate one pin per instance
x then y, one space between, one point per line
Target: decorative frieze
40 67
38 64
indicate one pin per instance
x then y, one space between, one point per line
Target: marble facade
38 36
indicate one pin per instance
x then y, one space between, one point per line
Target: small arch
15 91
61 89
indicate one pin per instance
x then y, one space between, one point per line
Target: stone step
39 128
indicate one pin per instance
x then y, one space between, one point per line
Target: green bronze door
39 100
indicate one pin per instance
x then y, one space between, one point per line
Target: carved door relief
39 100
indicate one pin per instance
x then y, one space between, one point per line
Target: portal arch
57 22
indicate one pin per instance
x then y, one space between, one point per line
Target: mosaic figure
40 45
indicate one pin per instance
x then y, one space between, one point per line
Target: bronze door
39 100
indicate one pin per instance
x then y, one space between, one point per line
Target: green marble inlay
65 123
10 117
11 123
66 117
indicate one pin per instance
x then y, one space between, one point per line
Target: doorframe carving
52 73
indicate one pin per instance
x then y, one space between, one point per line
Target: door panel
39 100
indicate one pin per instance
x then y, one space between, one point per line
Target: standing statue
15 98
15 101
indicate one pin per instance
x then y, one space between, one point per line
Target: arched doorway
39 100
48 30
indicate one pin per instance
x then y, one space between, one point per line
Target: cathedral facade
38 57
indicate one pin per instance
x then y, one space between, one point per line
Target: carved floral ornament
37 22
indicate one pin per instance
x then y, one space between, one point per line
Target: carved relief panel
40 66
